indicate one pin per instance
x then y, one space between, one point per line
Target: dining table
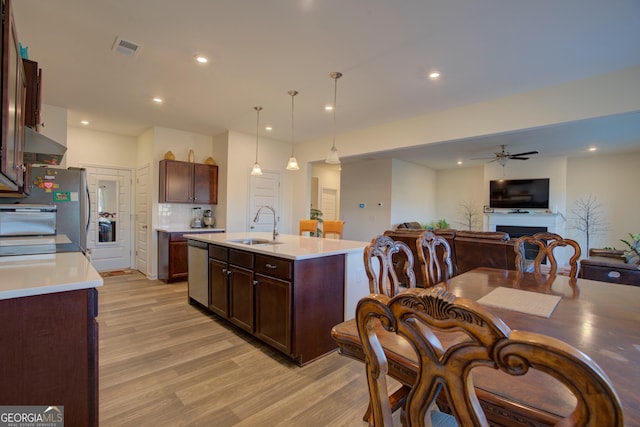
598 318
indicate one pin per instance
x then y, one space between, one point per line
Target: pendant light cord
293 93
257 128
335 76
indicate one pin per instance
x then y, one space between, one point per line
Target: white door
109 236
142 220
264 190
329 203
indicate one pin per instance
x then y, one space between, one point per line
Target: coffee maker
196 219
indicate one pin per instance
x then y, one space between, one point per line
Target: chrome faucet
275 220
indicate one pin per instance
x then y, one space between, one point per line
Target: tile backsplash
178 214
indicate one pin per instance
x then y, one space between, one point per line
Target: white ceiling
261 49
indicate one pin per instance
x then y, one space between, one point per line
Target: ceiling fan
503 156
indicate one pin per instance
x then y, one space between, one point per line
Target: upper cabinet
12 168
33 76
185 182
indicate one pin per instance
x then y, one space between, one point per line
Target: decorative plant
434 225
317 215
588 218
469 215
632 253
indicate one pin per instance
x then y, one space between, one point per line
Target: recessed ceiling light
434 75
592 149
268 128
202 59
84 122
459 162
329 108
158 100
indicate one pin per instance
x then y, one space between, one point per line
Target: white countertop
29 275
292 246
188 229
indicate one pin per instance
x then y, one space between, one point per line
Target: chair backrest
379 265
332 227
418 314
434 254
546 242
308 225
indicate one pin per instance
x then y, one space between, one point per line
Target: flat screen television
519 193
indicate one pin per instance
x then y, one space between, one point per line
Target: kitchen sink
252 241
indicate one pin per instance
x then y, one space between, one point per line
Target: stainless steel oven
29 229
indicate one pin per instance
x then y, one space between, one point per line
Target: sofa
469 249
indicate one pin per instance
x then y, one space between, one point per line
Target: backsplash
178 214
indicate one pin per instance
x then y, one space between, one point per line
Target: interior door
264 190
142 220
329 203
109 236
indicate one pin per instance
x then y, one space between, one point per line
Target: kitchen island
288 293
49 334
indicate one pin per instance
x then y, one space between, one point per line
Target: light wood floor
164 362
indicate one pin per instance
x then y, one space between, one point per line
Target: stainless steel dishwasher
198 272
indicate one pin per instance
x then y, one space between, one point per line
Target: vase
191 156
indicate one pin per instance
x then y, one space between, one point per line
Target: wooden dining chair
332 227
309 226
380 257
379 263
490 343
546 243
434 254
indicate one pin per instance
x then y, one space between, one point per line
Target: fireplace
530 251
518 224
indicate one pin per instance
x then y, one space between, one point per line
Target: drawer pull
255 282
613 275
271 266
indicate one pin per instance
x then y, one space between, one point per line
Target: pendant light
292 165
333 158
256 170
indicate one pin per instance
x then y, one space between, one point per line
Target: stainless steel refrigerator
67 189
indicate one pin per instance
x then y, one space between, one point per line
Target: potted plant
317 215
632 253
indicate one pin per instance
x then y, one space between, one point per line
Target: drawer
177 237
218 252
241 258
275 267
611 275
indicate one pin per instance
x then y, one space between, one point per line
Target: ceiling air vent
126 47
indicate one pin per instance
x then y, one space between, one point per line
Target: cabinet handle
224 270
271 266
614 275
255 282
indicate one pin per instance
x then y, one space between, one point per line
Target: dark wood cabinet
33 102
173 259
49 353
290 305
12 168
185 182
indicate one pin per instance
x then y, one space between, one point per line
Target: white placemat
523 301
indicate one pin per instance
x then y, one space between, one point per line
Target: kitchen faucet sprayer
275 220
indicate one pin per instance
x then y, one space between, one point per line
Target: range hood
41 149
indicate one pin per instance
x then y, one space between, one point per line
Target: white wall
413 194
613 180
53 124
220 155
455 187
368 182
272 156
86 146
